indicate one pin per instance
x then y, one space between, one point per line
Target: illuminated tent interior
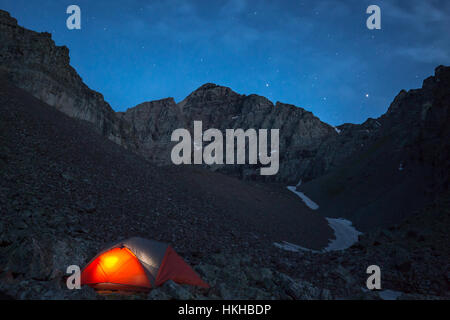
138 264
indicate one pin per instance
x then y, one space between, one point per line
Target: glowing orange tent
138 264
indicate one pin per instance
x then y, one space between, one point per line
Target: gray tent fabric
150 254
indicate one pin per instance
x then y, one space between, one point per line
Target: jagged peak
207 91
299 111
4 14
289 106
441 70
150 104
441 73
168 99
5 18
259 98
207 87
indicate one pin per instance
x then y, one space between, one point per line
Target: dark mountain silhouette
384 170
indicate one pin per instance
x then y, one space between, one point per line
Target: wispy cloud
425 55
423 29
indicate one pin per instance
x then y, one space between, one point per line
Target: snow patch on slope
311 204
345 233
287 246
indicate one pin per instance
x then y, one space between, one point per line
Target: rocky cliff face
301 133
33 62
152 123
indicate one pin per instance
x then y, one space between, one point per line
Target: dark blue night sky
318 55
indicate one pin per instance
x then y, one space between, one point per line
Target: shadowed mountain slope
386 169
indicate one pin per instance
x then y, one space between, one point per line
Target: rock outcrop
301 133
34 63
152 124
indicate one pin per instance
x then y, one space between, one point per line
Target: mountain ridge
34 63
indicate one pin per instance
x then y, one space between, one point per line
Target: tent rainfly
138 264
